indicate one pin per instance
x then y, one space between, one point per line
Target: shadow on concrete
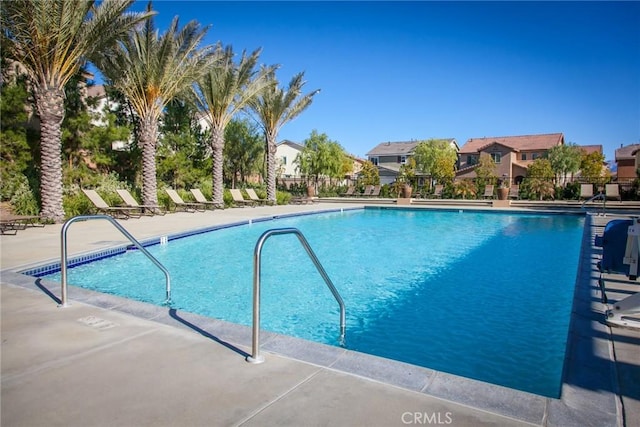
38 283
174 315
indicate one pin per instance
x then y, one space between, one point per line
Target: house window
284 160
497 157
403 160
524 156
471 160
534 156
374 160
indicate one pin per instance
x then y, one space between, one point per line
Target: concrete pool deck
109 361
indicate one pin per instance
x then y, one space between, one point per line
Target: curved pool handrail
255 351
63 253
597 196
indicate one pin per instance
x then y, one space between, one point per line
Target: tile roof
518 143
626 152
591 148
399 148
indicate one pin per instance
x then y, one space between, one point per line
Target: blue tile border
54 267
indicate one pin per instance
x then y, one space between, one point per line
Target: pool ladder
63 252
596 197
256 357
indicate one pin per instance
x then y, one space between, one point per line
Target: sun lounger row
132 209
611 192
369 191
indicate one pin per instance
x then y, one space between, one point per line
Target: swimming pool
483 295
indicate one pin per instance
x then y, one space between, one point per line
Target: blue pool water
482 295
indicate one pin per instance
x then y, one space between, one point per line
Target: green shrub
23 200
282 197
77 204
163 199
571 191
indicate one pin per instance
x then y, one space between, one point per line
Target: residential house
512 154
627 161
389 156
286 154
287 167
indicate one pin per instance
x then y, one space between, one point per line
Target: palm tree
275 107
221 93
150 70
51 40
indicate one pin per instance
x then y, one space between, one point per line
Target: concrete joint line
68 359
279 398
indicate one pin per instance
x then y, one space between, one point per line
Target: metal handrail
63 253
255 351
597 196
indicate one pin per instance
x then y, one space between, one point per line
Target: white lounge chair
586 191
239 199
181 204
612 192
131 202
101 206
197 194
253 196
488 192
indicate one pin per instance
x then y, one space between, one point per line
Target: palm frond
52 39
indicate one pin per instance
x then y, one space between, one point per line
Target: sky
400 71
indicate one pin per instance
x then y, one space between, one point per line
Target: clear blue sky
396 71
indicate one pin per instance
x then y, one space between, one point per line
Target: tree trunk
217 148
271 167
148 139
50 105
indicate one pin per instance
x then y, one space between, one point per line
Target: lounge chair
181 204
123 212
197 194
488 192
131 202
299 200
253 196
586 191
375 192
10 223
514 192
437 191
367 191
239 199
612 192
351 191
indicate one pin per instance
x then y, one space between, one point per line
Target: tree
541 169
51 40
150 70
485 171
243 150
564 159
369 175
436 158
591 167
77 121
182 146
320 157
539 181
275 107
221 93
15 153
